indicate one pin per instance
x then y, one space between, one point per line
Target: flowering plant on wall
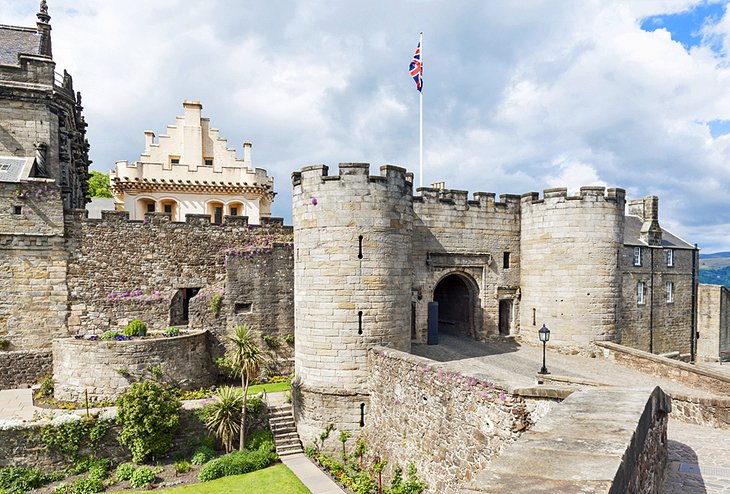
139 296
25 190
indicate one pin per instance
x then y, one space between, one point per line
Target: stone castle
362 266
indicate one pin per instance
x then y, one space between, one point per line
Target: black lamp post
544 334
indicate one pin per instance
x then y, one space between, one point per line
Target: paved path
311 476
699 460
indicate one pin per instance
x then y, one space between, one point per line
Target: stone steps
284 430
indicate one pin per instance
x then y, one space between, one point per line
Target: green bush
47 385
202 455
135 328
142 477
182 467
82 486
4 344
16 480
99 468
124 472
289 338
70 437
109 335
149 416
259 437
238 462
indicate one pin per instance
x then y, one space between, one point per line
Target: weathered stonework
449 425
713 323
108 365
29 367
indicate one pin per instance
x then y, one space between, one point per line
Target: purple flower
314 201
502 395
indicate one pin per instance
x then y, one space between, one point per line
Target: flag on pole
416 68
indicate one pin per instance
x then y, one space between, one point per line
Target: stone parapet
106 367
595 441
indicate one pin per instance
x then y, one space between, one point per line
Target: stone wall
569 275
121 270
581 448
684 373
104 367
713 322
657 325
18 449
27 366
449 425
709 412
469 238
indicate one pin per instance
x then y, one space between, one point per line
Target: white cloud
517 97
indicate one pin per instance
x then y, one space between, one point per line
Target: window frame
637 256
669 257
669 289
640 293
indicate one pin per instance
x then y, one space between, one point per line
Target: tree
223 417
99 185
245 359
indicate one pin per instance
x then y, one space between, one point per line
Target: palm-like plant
223 417
245 359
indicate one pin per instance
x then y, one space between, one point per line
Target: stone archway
456 294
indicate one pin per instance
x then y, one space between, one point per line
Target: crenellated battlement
586 193
460 199
202 221
394 177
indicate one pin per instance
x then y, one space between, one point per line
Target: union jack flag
416 68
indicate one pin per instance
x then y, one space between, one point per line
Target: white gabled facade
191 170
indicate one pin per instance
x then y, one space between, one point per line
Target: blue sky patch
685 27
719 128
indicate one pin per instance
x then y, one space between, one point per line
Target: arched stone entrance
456 294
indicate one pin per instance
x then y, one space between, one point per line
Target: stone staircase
281 421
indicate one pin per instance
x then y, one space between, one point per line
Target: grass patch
270 388
277 478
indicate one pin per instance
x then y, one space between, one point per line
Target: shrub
68 438
149 416
142 477
82 486
259 437
289 338
109 335
21 479
238 462
47 386
215 303
135 328
99 468
223 416
202 455
124 472
4 344
182 467
270 341
173 331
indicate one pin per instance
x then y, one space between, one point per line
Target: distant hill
715 268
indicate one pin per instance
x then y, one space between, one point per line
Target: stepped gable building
191 170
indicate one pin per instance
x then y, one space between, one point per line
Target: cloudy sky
518 95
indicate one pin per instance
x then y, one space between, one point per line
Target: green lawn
277 478
270 388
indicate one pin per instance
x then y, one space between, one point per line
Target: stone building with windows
191 170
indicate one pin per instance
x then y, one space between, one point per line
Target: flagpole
420 126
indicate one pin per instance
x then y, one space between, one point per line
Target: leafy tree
223 417
150 416
244 359
99 185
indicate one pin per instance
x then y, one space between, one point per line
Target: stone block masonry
104 368
28 367
449 425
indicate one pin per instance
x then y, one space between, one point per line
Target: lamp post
544 334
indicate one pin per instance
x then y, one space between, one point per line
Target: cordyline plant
245 360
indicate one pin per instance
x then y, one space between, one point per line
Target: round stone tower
569 273
352 287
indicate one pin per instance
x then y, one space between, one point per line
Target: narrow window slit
359 322
359 252
362 414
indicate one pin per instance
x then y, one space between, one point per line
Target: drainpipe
651 301
693 323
